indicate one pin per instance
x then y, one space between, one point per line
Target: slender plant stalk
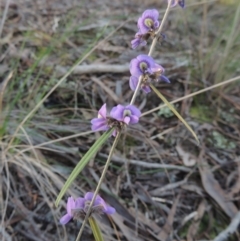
154 42
152 49
136 90
99 184
4 16
193 94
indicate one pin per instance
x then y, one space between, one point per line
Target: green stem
95 229
99 184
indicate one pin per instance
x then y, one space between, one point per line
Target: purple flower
146 66
71 205
141 65
79 207
147 25
148 22
118 116
133 82
101 122
181 3
129 114
99 204
138 41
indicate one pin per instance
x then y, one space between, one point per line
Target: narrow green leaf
95 229
174 111
82 163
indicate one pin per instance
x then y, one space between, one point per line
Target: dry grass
162 184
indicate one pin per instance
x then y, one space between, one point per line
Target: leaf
195 225
82 163
174 111
187 158
214 190
95 229
168 226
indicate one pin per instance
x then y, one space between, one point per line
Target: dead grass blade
4 16
236 187
174 111
2 89
213 188
192 231
107 89
193 94
167 228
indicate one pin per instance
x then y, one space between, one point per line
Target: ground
163 185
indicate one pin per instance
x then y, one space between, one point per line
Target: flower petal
133 81
88 196
146 89
135 43
134 119
114 132
103 111
157 68
70 205
134 110
164 78
142 59
181 3
173 3
150 14
134 68
99 201
153 13
99 124
117 112
126 119
65 219
110 210
80 203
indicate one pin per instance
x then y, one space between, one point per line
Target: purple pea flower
146 66
142 64
99 204
71 205
101 122
148 22
147 25
128 114
118 116
181 3
133 82
79 207
140 40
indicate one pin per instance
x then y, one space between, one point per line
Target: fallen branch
118 159
95 68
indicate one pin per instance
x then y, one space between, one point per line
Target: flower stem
160 28
152 49
136 90
99 185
